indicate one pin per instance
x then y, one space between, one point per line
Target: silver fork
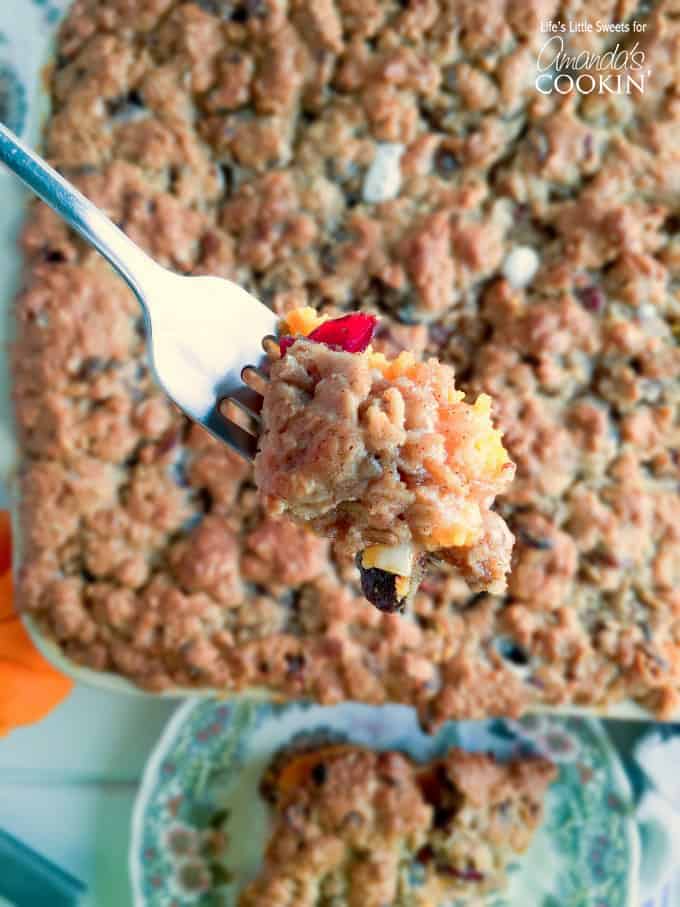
204 333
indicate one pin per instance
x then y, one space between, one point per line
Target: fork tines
243 406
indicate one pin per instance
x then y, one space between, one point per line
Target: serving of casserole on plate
226 786
394 157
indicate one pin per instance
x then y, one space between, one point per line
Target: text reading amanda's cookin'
618 70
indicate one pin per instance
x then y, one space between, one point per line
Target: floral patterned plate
199 825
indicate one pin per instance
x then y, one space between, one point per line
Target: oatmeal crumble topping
235 138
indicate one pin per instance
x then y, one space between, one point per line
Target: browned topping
236 139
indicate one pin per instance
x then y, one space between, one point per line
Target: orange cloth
29 686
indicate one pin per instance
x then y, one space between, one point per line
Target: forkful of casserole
382 455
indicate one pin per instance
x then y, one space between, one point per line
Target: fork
205 334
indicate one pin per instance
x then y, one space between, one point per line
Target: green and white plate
203 777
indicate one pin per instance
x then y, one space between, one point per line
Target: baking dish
31 128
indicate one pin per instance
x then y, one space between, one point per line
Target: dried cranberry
591 298
351 333
465 875
380 588
469 875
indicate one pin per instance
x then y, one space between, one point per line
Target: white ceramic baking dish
27 31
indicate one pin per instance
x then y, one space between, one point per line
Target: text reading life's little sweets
580 26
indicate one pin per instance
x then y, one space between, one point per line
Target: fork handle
128 259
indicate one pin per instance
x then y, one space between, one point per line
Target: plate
203 777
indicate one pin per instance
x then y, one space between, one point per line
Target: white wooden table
67 785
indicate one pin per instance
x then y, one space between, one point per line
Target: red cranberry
285 343
465 875
469 875
591 298
351 333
